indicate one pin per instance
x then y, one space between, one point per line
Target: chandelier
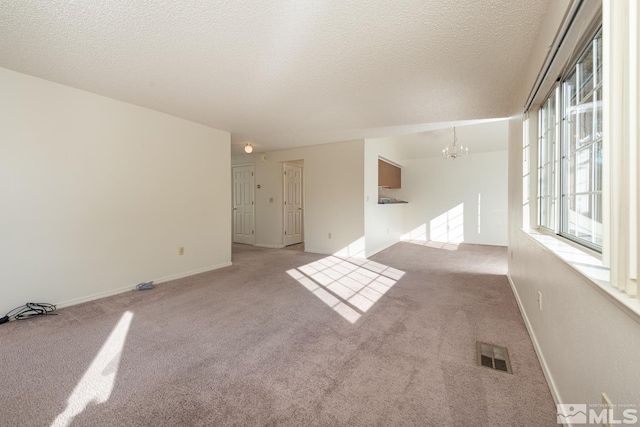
455 151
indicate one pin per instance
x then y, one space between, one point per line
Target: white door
243 204
293 216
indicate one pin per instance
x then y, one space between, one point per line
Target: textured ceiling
283 73
479 137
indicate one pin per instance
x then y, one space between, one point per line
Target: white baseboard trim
192 272
545 368
123 289
381 248
319 252
95 296
261 245
314 251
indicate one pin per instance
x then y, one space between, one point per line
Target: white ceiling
479 137
283 73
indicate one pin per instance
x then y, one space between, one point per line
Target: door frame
253 204
284 190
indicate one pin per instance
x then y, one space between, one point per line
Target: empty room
319 213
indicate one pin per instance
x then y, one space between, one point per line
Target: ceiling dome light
248 148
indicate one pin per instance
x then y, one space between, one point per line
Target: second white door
243 204
293 209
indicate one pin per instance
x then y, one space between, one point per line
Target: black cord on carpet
29 310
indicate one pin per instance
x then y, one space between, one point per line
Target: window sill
590 267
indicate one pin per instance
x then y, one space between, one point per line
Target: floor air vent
493 356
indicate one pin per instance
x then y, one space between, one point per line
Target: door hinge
251 231
285 232
252 202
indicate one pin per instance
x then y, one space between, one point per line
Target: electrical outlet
181 250
329 235
540 300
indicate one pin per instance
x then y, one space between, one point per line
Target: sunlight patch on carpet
418 236
446 231
97 383
350 286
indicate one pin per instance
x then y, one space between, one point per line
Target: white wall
587 344
435 188
333 194
97 195
383 223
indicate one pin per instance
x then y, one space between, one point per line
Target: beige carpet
260 343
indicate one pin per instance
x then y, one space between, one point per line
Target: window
548 135
587 170
525 172
577 101
582 148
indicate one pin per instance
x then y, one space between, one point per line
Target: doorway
293 204
243 204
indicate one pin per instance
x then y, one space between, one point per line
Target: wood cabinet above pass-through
389 176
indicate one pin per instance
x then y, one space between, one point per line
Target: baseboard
127 288
367 254
192 272
381 248
314 251
96 296
261 245
545 368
